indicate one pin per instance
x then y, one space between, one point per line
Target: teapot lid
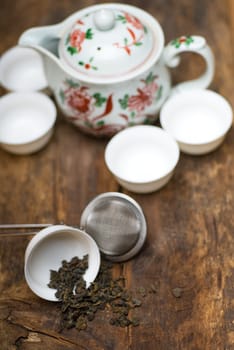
111 42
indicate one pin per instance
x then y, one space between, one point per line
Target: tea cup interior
196 117
25 117
141 154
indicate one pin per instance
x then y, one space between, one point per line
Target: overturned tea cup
49 247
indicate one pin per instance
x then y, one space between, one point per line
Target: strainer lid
117 224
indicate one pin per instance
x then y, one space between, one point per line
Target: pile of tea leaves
79 304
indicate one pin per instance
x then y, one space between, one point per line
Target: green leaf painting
124 101
99 99
72 50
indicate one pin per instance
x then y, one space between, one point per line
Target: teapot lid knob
104 19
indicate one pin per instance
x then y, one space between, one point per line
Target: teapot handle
195 44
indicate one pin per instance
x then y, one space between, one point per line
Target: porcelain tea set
108 70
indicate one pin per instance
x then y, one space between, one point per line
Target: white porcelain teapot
107 66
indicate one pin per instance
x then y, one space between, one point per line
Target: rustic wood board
190 221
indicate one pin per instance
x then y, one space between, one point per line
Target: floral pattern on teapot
182 40
136 104
76 39
82 32
135 39
91 111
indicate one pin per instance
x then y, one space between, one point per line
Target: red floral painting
83 108
80 101
77 38
136 105
92 111
144 98
134 21
135 32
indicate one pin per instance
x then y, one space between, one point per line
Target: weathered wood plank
186 267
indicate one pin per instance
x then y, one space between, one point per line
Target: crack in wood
21 339
211 226
15 299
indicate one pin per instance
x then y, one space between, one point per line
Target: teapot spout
43 39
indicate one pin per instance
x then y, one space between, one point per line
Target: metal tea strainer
114 220
117 224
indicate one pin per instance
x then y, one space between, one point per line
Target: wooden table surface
190 243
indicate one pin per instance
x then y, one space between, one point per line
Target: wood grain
188 257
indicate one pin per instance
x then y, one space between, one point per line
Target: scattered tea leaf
79 305
154 287
142 291
177 292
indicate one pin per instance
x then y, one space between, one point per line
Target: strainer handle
196 44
